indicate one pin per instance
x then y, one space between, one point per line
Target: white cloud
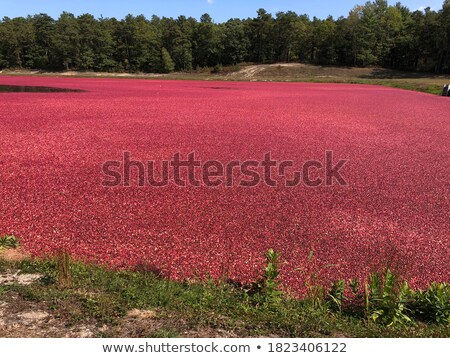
422 8
210 1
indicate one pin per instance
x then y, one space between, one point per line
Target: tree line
371 34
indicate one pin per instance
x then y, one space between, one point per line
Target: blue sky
220 10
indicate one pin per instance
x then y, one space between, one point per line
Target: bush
433 304
217 69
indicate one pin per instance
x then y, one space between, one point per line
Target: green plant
433 304
269 285
354 285
336 295
316 296
386 300
8 242
217 69
167 63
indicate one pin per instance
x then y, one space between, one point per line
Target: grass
102 298
415 81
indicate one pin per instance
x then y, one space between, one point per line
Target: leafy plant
433 304
386 300
354 285
9 242
270 284
336 295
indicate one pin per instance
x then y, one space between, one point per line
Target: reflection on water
8 88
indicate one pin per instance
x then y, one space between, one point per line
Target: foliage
217 69
391 303
433 304
167 62
270 285
8 242
386 299
336 295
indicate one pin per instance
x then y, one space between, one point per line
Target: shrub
217 69
433 304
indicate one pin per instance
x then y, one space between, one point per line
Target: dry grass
13 255
423 82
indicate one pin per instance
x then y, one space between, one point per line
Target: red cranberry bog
393 212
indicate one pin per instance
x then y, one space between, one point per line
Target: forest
373 34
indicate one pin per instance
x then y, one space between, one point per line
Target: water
8 88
